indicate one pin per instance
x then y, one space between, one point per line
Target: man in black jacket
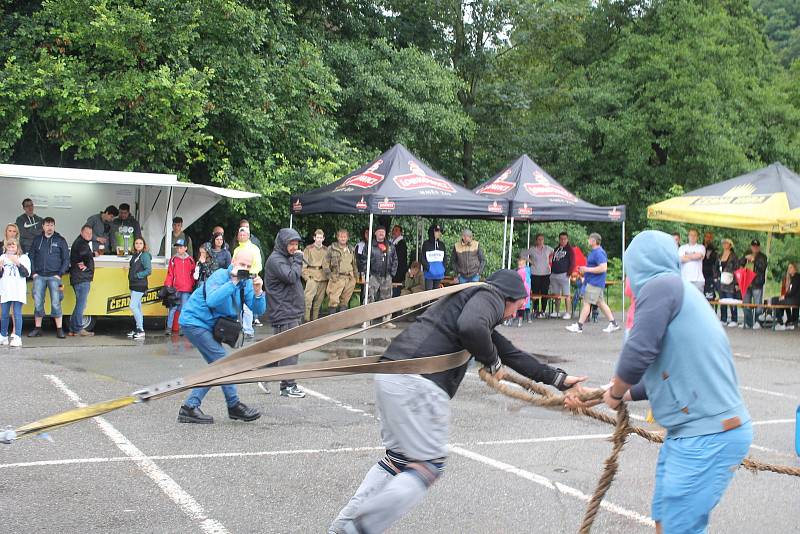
401 249
757 262
414 409
382 267
285 300
81 274
49 255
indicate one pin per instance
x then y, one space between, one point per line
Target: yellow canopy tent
765 200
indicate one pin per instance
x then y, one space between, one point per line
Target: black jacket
283 280
466 321
49 255
401 249
81 252
792 295
383 263
759 267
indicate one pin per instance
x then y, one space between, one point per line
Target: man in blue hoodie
690 381
220 296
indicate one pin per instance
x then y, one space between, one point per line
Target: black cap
755 243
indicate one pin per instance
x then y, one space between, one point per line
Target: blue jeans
211 350
136 309
81 294
723 310
184 296
753 296
247 321
693 473
466 279
50 283
7 306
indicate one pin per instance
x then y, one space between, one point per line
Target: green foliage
782 27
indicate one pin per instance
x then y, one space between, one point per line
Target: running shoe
575 328
16 341
294 391
612 327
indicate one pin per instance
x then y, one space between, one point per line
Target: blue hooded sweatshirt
222 299
677 354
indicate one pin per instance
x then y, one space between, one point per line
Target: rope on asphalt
540 395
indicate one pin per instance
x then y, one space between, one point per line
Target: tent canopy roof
765 200
535 195
396 183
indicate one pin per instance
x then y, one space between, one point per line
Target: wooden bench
744 305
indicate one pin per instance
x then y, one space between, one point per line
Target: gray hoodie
283 281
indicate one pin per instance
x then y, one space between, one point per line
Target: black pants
277 329
791 313
540 285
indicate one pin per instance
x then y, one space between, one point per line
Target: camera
243 274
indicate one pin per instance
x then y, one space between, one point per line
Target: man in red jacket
180 276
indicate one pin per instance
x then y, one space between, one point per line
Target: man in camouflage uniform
341 269
383 266
313 274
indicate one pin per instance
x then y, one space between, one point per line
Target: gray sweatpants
414 417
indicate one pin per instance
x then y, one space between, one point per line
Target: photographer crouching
213 316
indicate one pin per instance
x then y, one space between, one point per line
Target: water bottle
797 432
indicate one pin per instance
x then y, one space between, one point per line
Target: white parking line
340 404
773 422
768 392
186 502
528 475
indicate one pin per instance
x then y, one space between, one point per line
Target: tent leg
369 261
510 242
168 234
505 236
290 220
766 274
418 236
529 234
622 276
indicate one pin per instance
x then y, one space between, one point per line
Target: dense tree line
621 100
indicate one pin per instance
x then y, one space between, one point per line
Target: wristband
615 397
493 368
559 378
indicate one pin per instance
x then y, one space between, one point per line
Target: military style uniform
341 270
316 279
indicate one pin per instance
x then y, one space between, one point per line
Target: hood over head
285 235
509 284
651 254
432 229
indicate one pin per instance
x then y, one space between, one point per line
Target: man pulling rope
414 409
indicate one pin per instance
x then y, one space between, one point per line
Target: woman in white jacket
14 269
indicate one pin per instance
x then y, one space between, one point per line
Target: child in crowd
180 276
14 269
414 282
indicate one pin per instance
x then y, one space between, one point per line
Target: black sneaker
36 332
60 334
243 413
131 333
139 334
294 391
194 415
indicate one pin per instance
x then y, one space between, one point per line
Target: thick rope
547 398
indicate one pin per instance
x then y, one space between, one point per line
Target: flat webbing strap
248 364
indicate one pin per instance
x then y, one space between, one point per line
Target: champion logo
417 179
614 214
498 186
297 206
368 178
386 204
525 210
494 207
546 188
361 204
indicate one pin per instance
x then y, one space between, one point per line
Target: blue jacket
223 300
677 347
49 255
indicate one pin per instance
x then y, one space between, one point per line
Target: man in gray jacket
285 300
29 224
101 229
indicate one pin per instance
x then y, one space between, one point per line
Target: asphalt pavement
512 467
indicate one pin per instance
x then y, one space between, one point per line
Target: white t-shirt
12 285
692 271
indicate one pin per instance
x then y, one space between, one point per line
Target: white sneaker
757 326
732 324
790 327
762 317
554 315
566 317
3 340
780 327
16 341
264 386
575 328
741 325
139 334
611 328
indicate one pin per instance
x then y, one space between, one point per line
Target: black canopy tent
395 183
533 195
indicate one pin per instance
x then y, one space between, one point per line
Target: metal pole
510 242
290 220
766 274
369 260
168 234
623 274
529 234
417 236
505 236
